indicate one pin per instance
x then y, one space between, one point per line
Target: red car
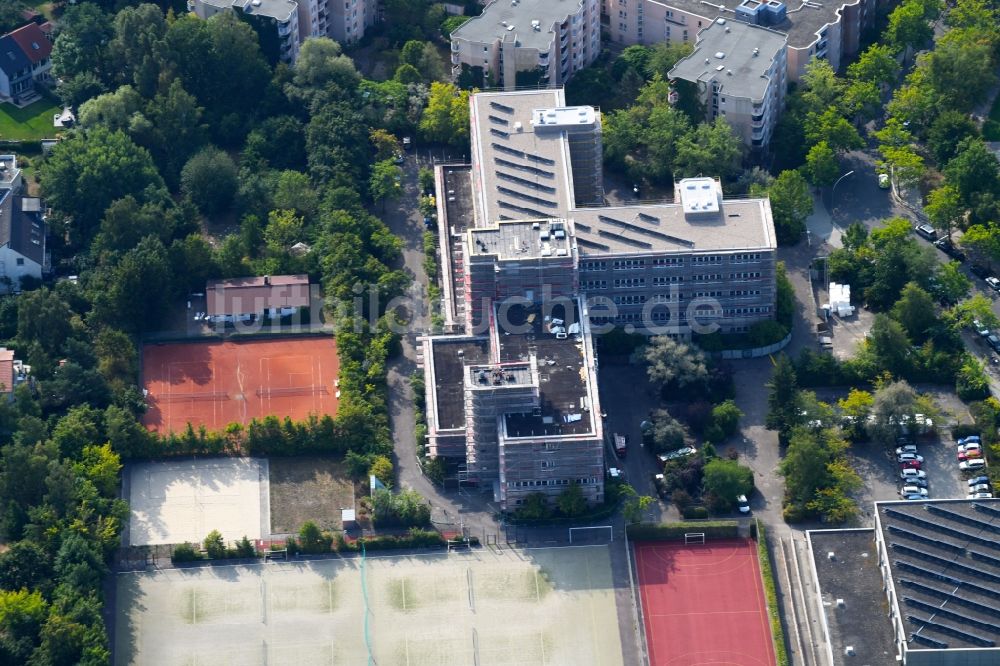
970 453
911 464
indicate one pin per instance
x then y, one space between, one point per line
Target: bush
313 540
215 547
794 513
694 513
185 552
210 180
681 498
381 469
771 593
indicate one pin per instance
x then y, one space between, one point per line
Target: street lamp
833 190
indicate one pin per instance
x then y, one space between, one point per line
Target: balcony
456 58
454 47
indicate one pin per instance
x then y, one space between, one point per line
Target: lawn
31 123
991 128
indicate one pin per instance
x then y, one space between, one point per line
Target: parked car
743 504
912 490
926 231
660 483
993 341
908 473
972 463
949 248
969 440
979 496
982 488
914 497
883 181
993 282
679 453
975 481
980 271
909 457
407 143
919 483
906 448
970 448
980 329
970 454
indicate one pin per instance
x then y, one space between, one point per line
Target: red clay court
704 603
216 383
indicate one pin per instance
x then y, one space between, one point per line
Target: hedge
777 632
714 529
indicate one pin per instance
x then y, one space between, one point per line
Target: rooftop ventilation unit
720 55
720 21
720 68
849 650
831 556
840 603
756 52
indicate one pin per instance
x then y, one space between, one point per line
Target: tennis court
703 603
213 384
540 606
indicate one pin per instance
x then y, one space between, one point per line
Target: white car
679 453
912 474
906 448
973 463
909 457
981 488
914 497
970 447
979 496
906 491
743 504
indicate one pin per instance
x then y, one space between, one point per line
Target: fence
716 529
757 352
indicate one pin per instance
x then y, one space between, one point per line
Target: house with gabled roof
22 240
25 61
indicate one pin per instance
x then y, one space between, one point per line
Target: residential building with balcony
25 63
283 15
814 30
534 265
739 70
348 19
528 43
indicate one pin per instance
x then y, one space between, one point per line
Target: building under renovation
534 264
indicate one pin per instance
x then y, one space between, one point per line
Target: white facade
557 39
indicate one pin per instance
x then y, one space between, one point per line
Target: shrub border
713 529
771 594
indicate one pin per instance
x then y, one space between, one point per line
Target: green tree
725 480
888 346
944 208
382 470
312 539
571 501
783 410
209 179
86 172
907 166
453 23
961 71
535 506
665 433
214 546
915 311
791 204
134 293
710 149
952 284
385 181
100 465
893 407
805 466
947 131
973 171
22 614
971 380
446 118
138 32
855 409
670 362
284 229
822 165
725 421
908 26
833 129
876 64
634 504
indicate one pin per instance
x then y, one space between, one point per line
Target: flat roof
502 19
523 174
740 224
747 51
256 294
852 575
522 332
450 357
280 10
803 19
522 240
944 559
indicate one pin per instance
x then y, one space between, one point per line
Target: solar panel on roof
582 227
539 159
498 120
526 197
948 594
502 107
946 562
951 631
938 527
649 218
927 640
495 132
523 167
500 148
525 182
592 244
643 230
896 529
985 508
521 209
964 519
995 561
624 239
945 578
951 615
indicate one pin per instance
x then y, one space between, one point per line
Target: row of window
627 264
669 262
630 283
739 312
536 483
598 285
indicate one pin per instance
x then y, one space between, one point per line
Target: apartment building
814 30
283 15
528 43
739 72
294 21
534 266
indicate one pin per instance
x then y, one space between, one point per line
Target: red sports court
704 603
218 383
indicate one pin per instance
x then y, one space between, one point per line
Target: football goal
609 528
